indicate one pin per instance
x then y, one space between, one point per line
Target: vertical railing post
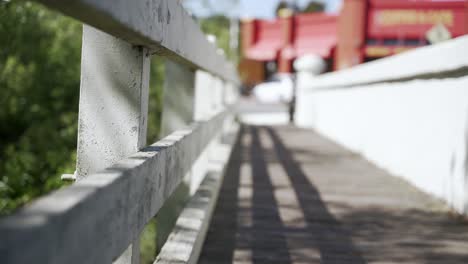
113 107
178 103
218 94
178 112
204 87
188 96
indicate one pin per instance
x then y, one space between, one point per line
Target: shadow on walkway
290 196
334 244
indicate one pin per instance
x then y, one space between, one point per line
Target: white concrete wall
416 129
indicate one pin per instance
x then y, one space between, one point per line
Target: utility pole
234 34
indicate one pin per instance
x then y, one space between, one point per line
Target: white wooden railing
121 182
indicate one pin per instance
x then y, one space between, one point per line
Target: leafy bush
219 27
39 82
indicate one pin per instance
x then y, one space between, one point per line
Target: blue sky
251 8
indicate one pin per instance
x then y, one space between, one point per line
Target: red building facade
364 30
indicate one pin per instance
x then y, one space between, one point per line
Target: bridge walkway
292 196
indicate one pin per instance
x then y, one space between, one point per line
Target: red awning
320 45
263 51
313 34
269 41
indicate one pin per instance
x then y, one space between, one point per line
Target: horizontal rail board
163 26
95 220
185 242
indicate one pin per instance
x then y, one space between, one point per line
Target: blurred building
371 29
364 30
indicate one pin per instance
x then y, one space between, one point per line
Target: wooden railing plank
94 220
113 105
113 109
177 112
186 240
163 26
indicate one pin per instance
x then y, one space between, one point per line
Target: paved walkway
291 196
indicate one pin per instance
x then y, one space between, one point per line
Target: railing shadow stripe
271 246
333 242
224 224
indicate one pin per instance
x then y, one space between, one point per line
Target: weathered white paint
218 95
204 86
131 254
102 213
188 96
186 240
163 26
203 96
209 95
178 100
113 107
113 101
192 224
231 96
178 112
416 129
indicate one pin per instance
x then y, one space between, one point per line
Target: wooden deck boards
291 196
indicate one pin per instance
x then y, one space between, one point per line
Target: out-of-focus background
269 39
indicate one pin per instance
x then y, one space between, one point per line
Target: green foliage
211 7
314 7
219 27
281 5
148 248
155 103
285 9
39 82
311 7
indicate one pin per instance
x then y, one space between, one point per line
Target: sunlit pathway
291 196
